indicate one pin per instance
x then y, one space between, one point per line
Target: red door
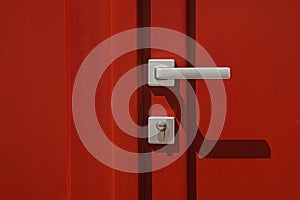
258 40
46 45
90 23
255 39
33 100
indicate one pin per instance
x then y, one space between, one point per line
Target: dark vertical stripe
69 106
191 55
144 99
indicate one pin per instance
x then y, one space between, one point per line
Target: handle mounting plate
154 63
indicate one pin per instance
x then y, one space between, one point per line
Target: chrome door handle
192 73
162 72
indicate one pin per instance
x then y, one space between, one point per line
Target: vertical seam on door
143 20
191 154
68 107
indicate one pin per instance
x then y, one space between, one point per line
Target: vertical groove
69 105
143 20
191 55
112 129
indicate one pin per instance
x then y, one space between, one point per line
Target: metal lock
162 72
161 130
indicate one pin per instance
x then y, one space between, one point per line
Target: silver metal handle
192 73
162 72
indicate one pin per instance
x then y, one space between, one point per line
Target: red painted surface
33 100
259 40
42 47
171 181
91 22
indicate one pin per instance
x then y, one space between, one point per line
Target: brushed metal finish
162 72
161 130
192 73
152 65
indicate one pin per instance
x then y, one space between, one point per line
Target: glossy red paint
91 22
42 47
171 181
259 41
33 100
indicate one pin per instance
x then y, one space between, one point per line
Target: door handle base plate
154 63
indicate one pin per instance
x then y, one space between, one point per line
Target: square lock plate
161 130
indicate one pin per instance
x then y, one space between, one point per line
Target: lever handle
192 73
162 72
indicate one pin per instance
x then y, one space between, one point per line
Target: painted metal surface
43 45
253 36
33 100
172 17
91 22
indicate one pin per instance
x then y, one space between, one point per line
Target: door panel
91 22
258 40
33 108
170 182
43 46
87 27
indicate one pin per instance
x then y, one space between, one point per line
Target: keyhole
161 127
